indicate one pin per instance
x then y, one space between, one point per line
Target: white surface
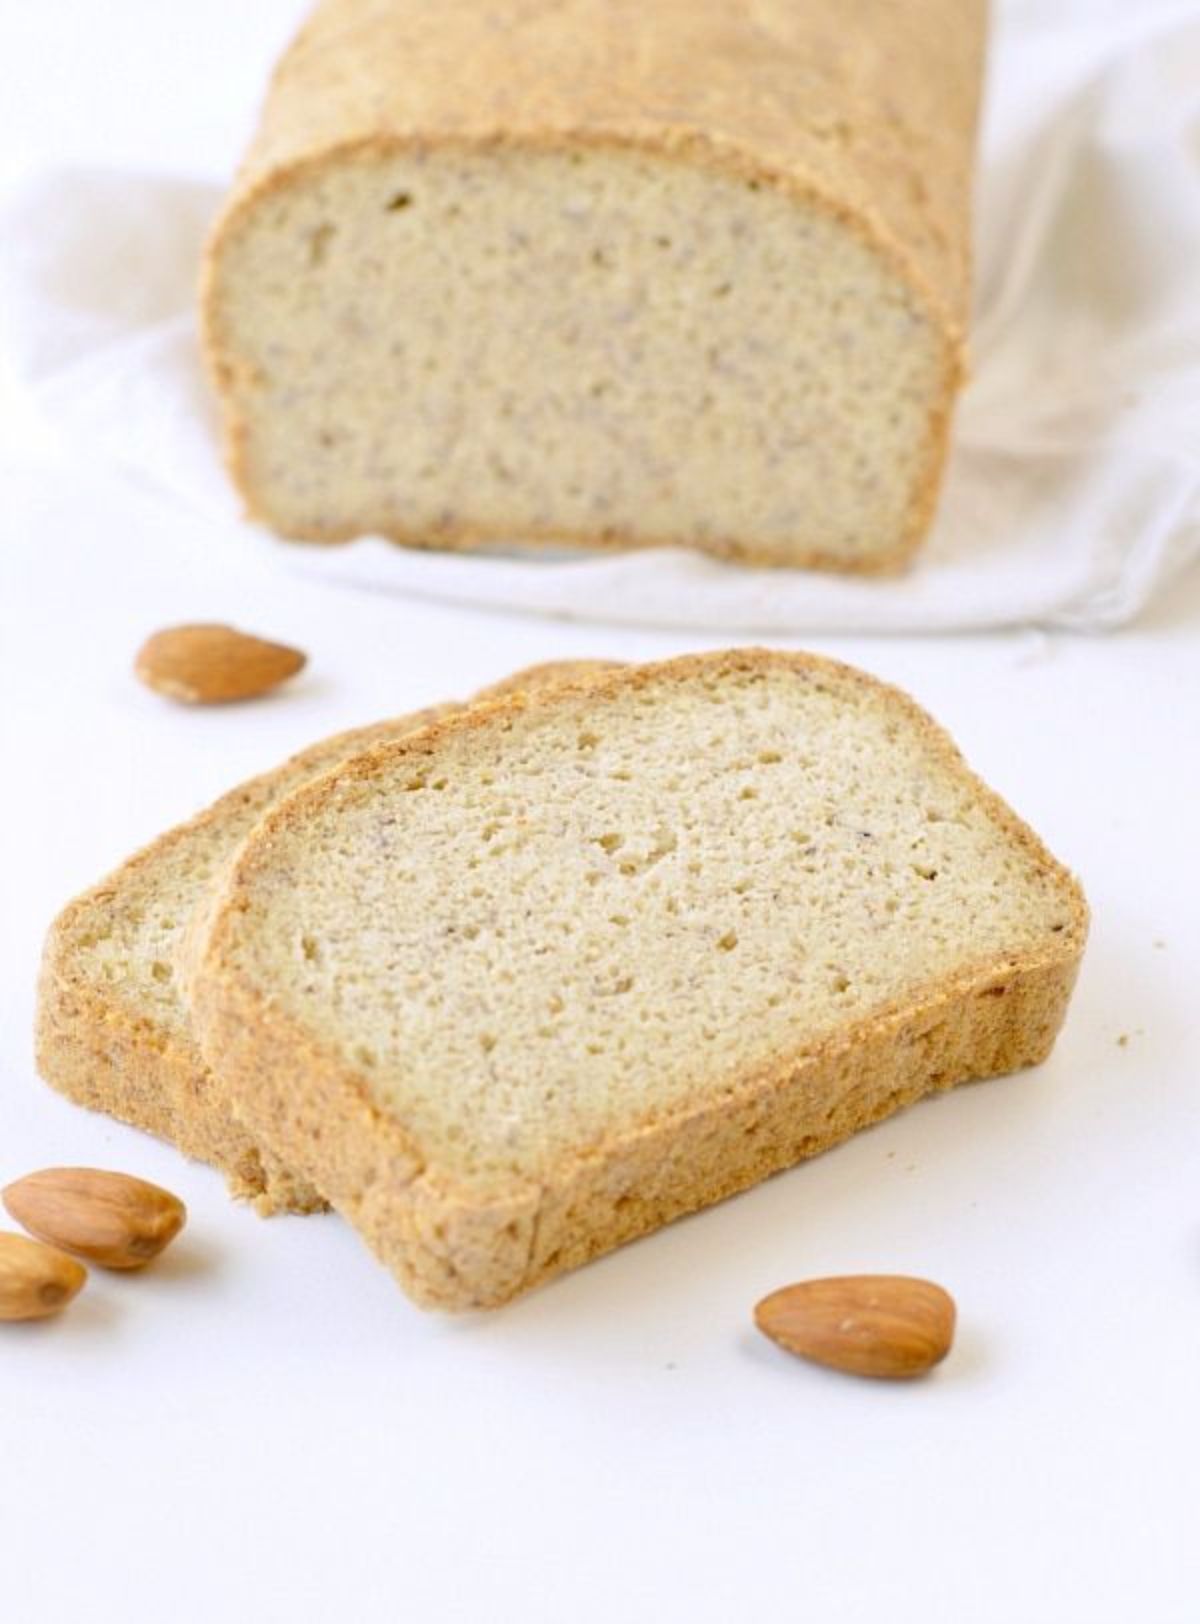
262 1428
1073 489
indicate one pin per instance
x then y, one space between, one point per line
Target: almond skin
35 1280
212 664
886 1325
111 1219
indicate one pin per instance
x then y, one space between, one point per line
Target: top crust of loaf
863 105
456 1237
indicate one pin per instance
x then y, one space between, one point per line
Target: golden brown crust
857 110
105 1049
532 678
872 109
453 1247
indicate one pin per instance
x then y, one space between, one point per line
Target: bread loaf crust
861 110
455 1246
452 1250
869 106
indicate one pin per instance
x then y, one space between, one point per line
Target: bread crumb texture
568 967
605 273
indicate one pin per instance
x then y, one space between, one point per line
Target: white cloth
1073 492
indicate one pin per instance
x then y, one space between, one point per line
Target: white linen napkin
1073 492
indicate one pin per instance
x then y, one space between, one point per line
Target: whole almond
111 1219
211 665
35 1280
888 1325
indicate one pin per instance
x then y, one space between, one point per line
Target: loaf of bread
113 1031
604 272
554 971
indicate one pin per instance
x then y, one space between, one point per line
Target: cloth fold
1073 491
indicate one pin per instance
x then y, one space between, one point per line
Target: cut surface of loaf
604 273
548 975
113 1030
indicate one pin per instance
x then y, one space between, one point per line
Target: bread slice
113 1031
689 273
553 972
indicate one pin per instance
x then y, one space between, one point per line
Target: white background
262 1427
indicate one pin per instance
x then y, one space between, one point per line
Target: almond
111 1219
888 1325
210 665
35 1280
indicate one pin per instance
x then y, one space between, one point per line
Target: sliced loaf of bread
686 273
113 1031
555 971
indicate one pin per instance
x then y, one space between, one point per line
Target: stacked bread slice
553 969
113 1028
